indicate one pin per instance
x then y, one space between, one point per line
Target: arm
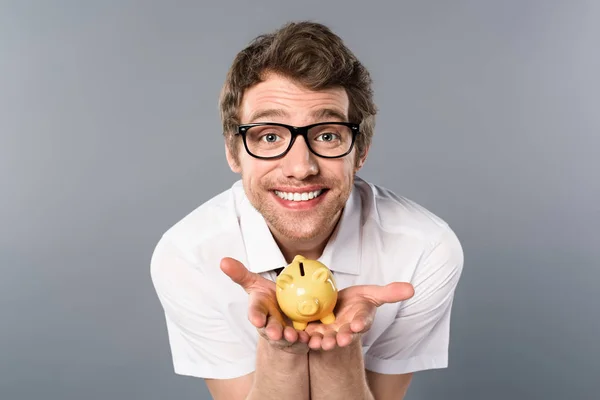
338 374
235 388
388 387
279 374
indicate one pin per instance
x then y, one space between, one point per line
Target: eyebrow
268 113
322 113
329 113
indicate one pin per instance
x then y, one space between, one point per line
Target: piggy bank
306 292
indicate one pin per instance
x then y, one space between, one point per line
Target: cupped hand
263 310
354 314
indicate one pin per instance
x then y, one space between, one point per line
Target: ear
320 275
283 281
361 161
232 160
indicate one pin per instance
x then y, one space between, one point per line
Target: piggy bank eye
284 280
320 275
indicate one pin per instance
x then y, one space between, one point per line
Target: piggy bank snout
308 307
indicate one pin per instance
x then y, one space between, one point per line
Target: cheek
254 171
341 170
347 168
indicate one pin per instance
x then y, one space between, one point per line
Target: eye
327 137
269 137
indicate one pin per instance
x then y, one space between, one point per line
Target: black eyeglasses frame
295 131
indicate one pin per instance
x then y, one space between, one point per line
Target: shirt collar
341 254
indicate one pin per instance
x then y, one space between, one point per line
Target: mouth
300 199
299 196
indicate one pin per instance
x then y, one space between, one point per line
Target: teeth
298 196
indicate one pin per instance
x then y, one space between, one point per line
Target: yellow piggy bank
306 292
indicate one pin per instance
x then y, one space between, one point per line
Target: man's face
278 99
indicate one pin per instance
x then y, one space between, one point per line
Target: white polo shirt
381 238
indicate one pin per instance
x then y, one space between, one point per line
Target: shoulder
206 234
405 231
393 213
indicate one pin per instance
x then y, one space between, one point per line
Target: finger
236 271
313 327
274 328
362 321
344 335
390 293
315 341
329 340
303 336
257 311
290 334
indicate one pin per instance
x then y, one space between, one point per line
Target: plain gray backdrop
489 117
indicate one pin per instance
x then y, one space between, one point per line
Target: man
298 118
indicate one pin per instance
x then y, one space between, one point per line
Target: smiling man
298 118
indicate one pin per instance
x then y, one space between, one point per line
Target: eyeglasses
268 140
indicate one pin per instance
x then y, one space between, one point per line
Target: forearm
279 374
338 374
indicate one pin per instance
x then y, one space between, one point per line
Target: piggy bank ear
321 274
298 258
283 281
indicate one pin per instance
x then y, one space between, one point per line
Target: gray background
110 134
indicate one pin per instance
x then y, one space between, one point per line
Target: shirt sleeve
201 340
418 338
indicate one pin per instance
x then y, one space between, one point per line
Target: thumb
391 293
236 271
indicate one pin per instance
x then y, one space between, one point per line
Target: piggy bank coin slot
301 269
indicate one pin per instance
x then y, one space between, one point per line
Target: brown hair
311 54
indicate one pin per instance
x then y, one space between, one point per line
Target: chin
300 229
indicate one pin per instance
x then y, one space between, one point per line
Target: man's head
302 74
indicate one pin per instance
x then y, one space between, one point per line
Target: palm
350 307
354 313
263 309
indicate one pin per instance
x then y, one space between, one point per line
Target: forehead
278 97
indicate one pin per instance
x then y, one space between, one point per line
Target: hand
354 313
263 310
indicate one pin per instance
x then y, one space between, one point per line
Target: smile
296 196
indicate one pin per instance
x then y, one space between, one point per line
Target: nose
299 162
308 307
